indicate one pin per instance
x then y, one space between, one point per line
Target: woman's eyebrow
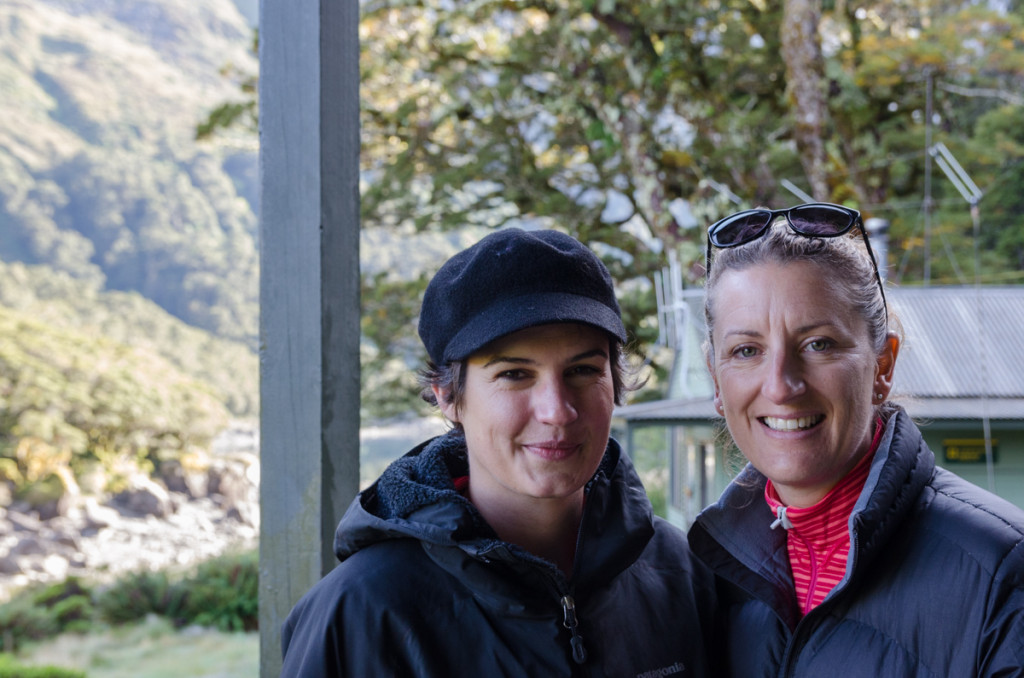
803 329
597 352
507 359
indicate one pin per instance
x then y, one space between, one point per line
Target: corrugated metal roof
960 342
928 409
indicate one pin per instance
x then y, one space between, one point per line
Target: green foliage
10 668
21 621
601 118
230 368
494 113
221 593
69 399
55 594
390 353
136 595
243 113
39 613
225 115
74 613
224 593
100 176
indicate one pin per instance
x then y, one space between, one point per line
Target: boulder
234 486
47 497
144 497
23 521
183 479
9 565
30 546
95 516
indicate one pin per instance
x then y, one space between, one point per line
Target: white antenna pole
972 194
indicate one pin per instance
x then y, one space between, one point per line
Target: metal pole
928 180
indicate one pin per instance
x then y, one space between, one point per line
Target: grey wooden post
309 296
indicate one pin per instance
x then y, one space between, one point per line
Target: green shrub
38 613
221 593
224 593
69 602
21 620
74 613
136 595
11 669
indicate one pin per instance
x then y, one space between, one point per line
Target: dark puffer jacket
934 585
426 588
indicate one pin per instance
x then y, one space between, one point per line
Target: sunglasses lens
739 228
821 220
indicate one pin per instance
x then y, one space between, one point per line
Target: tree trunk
805 74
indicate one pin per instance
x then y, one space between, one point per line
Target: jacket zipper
579 653
569 618
796 638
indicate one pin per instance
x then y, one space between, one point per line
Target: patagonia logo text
674 670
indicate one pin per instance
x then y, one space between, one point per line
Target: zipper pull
579 653
782 519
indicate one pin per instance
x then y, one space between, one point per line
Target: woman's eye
584 370
745 352
512 375
818 345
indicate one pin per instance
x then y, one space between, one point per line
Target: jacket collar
416 498
733 535
902 467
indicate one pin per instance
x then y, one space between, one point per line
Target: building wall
949 440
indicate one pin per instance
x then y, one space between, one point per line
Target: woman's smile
552 450
792 424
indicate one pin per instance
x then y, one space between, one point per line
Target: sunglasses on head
812 220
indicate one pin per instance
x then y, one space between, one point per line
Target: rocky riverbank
184 515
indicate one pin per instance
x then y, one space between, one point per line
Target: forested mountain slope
100 175
128 250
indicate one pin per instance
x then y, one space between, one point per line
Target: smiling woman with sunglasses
841 549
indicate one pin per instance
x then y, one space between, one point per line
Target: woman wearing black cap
522 542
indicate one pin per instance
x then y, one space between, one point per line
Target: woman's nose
553 402
784 380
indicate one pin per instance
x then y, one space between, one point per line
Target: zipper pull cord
579 653
782 519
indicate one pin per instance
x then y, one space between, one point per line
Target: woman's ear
445 403
886 367
714 378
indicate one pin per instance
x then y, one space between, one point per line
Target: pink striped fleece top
818 537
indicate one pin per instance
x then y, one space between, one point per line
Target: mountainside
116 221
77 308
100 175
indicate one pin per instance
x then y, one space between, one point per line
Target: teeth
791 424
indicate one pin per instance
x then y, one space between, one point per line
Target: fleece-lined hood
416 498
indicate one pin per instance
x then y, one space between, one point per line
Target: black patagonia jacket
934 587
426 588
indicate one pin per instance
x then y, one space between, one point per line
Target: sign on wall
968 450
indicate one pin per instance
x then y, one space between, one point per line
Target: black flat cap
510 280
